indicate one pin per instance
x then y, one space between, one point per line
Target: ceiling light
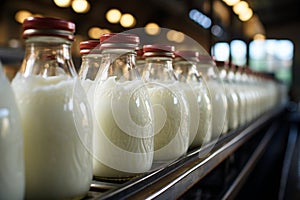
21 15
170 35
80 6
246 15
175 36
200 18
231 2
179 37
113 16
37 15
105 31
152 29
96 32
62 3
217 30
259 36
240 7
127 20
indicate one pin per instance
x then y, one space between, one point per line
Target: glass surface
123 118
201 109
56 121
207 68
12 177
170 107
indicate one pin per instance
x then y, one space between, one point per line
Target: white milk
12 179
219 108
204 132
171 120
123 134
242 102
192 99
57 137
233 107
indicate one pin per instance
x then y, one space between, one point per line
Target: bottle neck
118 63
89 66
48 56
231 75
159 68
223 73
186 70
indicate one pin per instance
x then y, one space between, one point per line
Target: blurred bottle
235 76
12 178
123 135
185 67
170 107
231 94
140 60
206 67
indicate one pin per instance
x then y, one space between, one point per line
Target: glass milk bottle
232 98
234 77
90 64
207 68
254 81
12 179
90 59
253 93
185 66
171 111
243 93
192 99
123 137
56 118
140 60
249 93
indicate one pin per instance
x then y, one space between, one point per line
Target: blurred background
261 34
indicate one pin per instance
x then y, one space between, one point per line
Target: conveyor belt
174 179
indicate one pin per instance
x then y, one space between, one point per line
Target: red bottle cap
119 38
45 26
119 41
222 64
154 50
158 48
206 59
139 52
89 46
187 55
